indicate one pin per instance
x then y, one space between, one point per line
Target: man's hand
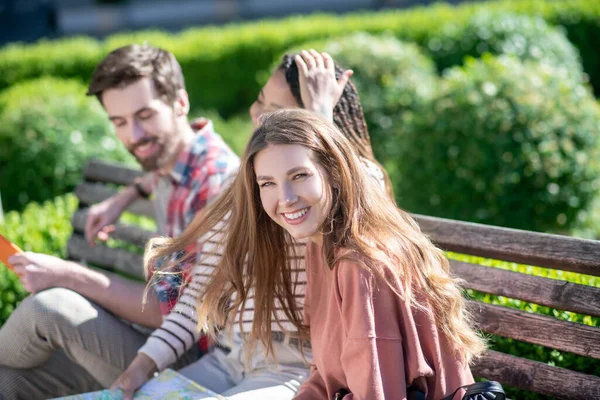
41 271
319 89
139 371
101 218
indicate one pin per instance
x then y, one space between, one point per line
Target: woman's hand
319 89
139 371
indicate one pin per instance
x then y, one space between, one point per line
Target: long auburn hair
363 221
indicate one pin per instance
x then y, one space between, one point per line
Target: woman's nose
288 196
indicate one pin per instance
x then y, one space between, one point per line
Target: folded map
166 385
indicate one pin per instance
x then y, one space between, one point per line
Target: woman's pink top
368 340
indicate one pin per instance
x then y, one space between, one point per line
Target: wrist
323 109
126 197
83 280
146 364
71 276
140 189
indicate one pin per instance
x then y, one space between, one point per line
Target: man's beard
160 159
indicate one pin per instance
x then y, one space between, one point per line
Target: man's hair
125 65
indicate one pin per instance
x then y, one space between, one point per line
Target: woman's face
294 190
275 95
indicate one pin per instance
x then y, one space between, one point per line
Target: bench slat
539 249
102 171
128 233
537 329
548 292
112 259
537 377
92 193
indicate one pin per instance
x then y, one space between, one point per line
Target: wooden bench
550 251
537 249
102 180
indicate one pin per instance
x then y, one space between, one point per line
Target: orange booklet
7 249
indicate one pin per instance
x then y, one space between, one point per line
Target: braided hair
347 114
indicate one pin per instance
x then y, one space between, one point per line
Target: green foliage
522 36
392 77
504 143
48 129
235 131
41 228
66 58
222 65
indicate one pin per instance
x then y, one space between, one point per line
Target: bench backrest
535 249
101 180
530 248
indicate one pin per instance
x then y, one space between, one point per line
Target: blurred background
480 111
28 20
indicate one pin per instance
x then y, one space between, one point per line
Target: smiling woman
294 189
301 179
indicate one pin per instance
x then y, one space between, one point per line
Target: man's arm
118 295
103 215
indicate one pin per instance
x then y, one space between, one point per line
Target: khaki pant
57 343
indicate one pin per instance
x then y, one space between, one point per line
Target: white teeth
145 146
296 215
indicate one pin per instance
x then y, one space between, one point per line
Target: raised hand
319 89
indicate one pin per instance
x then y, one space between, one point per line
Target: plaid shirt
200 175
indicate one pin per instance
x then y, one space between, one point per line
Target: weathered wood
537 377
127 233
102 171
540 249
553 293
112 259
92 193
537 329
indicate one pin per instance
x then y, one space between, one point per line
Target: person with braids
297 83
383 313
309 80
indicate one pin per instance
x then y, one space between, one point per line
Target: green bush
522 36
41 228
392 77
503 143
48 129
73 58
221 64
235 131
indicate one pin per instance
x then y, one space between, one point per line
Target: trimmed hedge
48 129
221 64
525 37
504 143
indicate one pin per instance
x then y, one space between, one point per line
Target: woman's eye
266 184
146 115
299 176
